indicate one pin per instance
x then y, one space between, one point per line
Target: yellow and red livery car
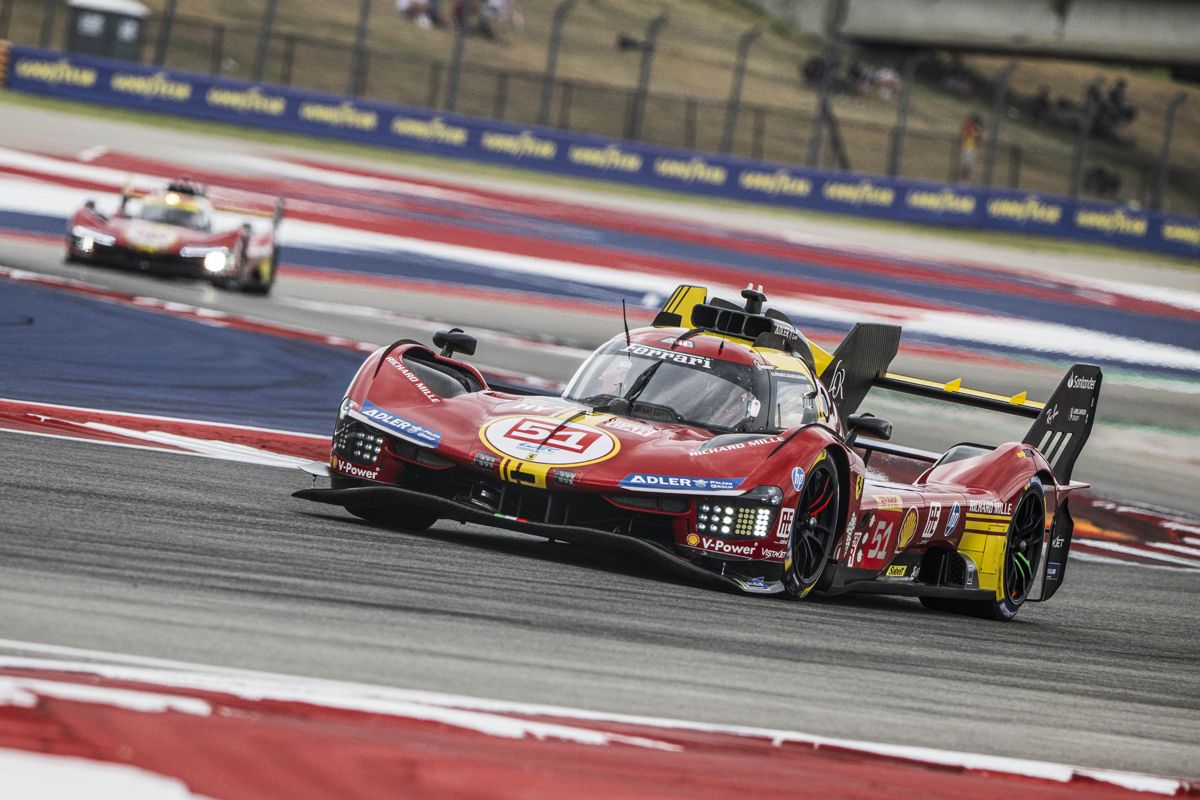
722 444
179 231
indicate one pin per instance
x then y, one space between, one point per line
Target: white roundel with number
545 440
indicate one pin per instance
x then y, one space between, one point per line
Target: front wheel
814 531
262 275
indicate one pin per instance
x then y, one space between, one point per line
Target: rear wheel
399 518
1022 549
814 531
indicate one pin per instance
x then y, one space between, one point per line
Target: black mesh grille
559 507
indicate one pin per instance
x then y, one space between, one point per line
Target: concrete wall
1150 31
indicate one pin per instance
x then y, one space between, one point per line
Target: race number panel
545 440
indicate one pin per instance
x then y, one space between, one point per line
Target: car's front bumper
389 496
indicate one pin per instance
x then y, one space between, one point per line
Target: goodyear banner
116 83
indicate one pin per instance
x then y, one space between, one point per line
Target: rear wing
1061 425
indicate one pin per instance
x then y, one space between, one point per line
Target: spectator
1121 108
1102 182
968 147
498 18
1041 104
464 13
885 81
424 13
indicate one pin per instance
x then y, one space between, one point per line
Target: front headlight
88 237
748 516
216 261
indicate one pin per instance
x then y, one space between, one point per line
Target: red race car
175 232
724 445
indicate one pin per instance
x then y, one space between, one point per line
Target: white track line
40 776
1136 551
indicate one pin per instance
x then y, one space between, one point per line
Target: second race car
722 444
176 231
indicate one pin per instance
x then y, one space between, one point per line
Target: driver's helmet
716 402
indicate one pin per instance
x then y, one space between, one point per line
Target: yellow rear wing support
953 391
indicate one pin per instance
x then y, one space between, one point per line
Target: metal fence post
5 17
649 44
814 141
735 88
500 102
217 52
1014 166
556 26
358 63
1159 197
989 160
564 106
289 60
898 133
690 112
435 84
264 40
1086 121
760 123
460 44
49 9
164 32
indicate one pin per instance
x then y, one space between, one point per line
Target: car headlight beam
87 238
216 260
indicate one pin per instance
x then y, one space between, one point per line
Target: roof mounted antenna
754 298
625 319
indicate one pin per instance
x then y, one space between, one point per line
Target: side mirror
454 340
870 425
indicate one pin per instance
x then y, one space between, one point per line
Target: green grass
468 168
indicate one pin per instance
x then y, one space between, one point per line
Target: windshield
185 216
673 386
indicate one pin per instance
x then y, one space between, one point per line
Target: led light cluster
723 520
715 519
753 522
356 444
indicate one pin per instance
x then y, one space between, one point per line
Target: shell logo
908 528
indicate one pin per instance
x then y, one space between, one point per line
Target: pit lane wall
115 83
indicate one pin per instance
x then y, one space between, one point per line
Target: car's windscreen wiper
640 384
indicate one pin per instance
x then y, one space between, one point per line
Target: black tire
257 284
397 518
1022 549
815 530
237 280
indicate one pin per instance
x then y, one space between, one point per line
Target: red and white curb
229 733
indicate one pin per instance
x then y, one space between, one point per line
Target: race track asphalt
180 557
